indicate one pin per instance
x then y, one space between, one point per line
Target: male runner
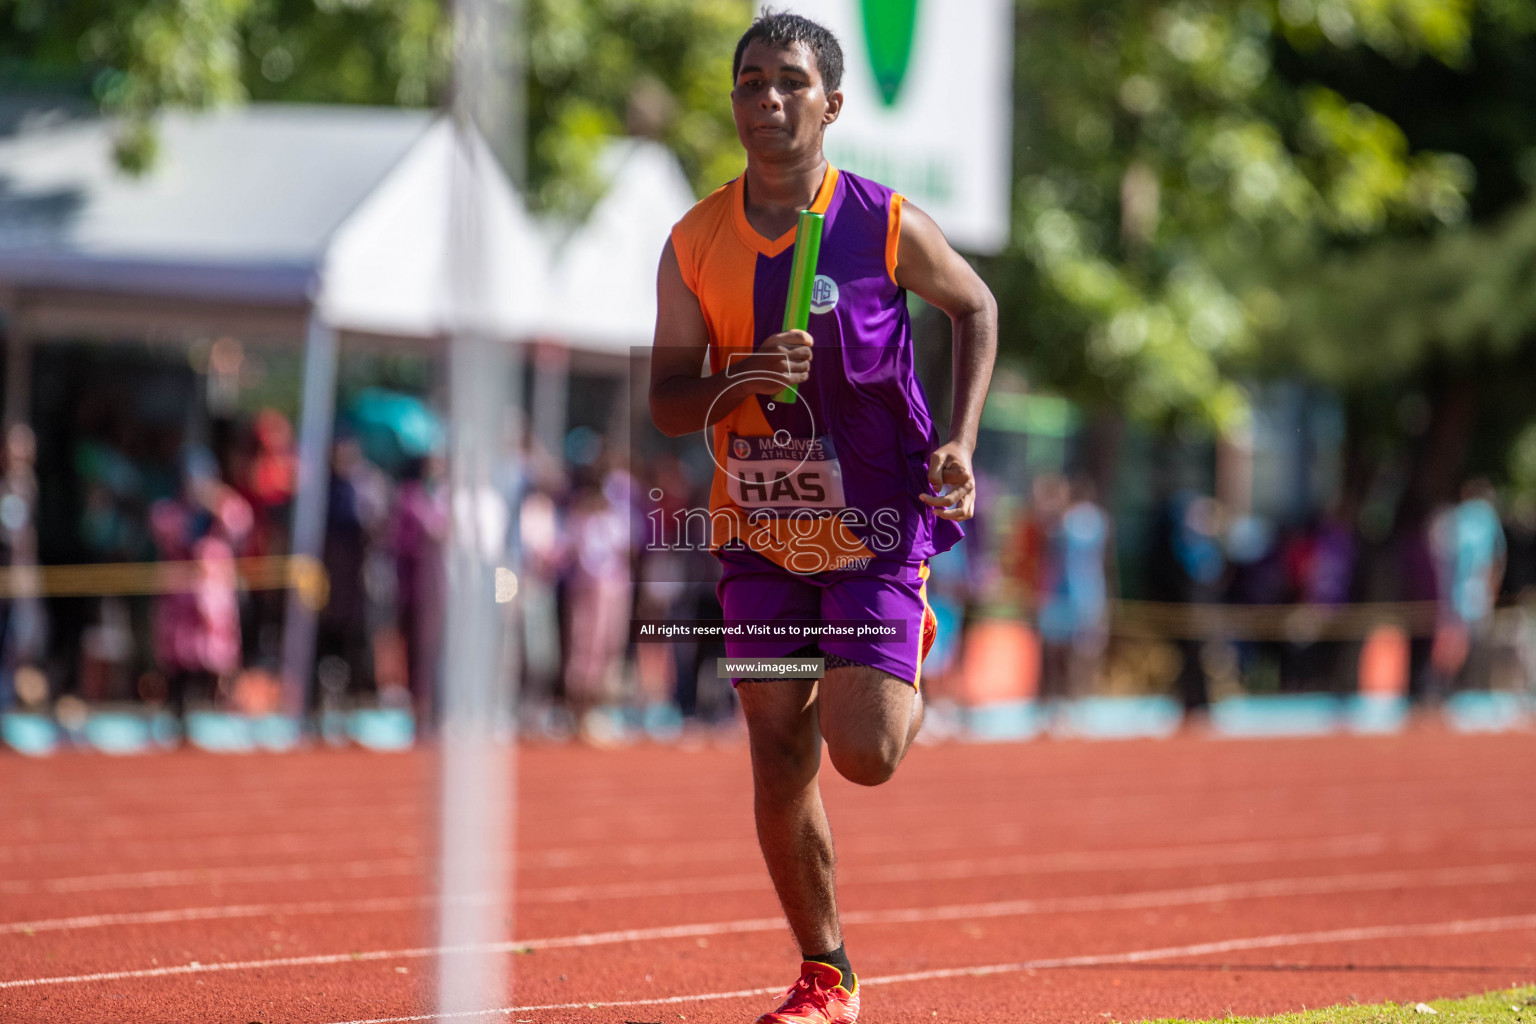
827 507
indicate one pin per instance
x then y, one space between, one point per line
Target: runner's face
779 102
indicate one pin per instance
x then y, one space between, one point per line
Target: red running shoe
817 998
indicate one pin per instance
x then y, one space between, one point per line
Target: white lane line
212 876
119 828
745 993
383 904
1241 852
1065 862
639 855
357 840
1218 893
1069 861
1004 908
1215 893
563 942
1466 927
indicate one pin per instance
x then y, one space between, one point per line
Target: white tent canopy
386 270
340 210
239 207
603 292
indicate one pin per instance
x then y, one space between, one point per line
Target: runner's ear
834 107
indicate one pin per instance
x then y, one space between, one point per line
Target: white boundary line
1004 908
640 855
1115 809
1467 927
1485 874
387 839
209 876
65 924
90 795
1065 862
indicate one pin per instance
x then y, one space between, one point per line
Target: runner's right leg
792 827
869 719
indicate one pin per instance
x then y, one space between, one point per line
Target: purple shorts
753 588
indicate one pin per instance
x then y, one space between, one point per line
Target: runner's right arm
681 400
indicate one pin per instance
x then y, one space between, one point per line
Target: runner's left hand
950 464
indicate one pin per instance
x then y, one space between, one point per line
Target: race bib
802 473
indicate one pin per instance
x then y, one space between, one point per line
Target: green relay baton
802 279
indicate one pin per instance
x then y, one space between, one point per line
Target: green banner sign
889 27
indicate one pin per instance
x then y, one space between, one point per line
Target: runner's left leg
869 719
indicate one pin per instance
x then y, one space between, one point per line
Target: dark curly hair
782 30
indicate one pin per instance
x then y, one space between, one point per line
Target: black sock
837 958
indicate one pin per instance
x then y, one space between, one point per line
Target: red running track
1050 881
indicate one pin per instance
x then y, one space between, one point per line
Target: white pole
310 496
476 756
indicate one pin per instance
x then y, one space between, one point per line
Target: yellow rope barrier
1290 623
266 572
1297 623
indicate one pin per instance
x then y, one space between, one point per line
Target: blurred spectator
20 618
355 513
1520 543
665 590
1186 566
1468 542
273 470
111 523
1256 576
1320 566
1074 605
262 468
540 541
598 595
1029 558
419 531
1415 578
1520 584
197 633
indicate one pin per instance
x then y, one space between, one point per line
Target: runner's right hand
782 359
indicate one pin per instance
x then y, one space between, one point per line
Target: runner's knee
867 761
785 754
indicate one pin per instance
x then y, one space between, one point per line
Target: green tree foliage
132 57
660 68
385 52
1427 336
1462 294
595 68
1165 169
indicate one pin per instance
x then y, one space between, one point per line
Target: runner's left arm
927 266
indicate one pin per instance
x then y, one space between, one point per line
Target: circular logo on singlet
823 294
741 448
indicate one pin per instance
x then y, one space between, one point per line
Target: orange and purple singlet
814 509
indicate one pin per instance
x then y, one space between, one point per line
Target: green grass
1510 1006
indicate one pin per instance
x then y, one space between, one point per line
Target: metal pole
476 764
309 506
